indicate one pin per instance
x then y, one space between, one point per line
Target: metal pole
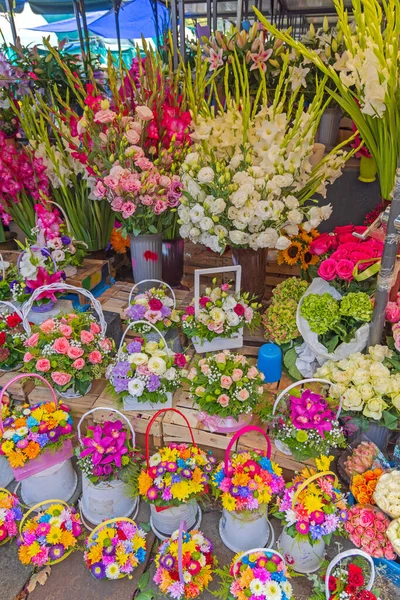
117 29
215 16
239 14
386 273
85 27
155 11
12 21
208 8
182 29
79 28
174 17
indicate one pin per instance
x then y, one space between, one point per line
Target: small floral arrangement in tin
221 313
114 549
12 337
156 307
197 565
10 515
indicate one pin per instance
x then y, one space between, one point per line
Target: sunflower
307 259
292 254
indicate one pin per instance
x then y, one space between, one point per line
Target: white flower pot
240 533
219 343
133 403
58 481
6 475
72 393
165 522
105 500
300 555
282 447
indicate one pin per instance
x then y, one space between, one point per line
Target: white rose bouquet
250 174
387 493
393 533
369 385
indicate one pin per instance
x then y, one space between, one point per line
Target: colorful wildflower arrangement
318 510
175 474
12 337
30 430
260 574
114 549
105 452
279 319
146 371
298 253
49 536
220 313
387 493
68 351
336 321
154 306
10 515
363 485
226 384
197 565
366 527
369 385
250 483
306 423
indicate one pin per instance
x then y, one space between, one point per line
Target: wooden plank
18 390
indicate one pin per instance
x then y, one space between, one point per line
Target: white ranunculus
138 358
240 238
232 318
157 365
136 387
205 175
282 243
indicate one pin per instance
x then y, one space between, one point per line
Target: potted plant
246 483
12 338
226 387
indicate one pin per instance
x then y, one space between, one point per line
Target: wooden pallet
20 389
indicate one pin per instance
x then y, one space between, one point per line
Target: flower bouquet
49 536
363 485
366 527
258 573
311 509
246 483
393 534
70 352
387 493
172 480
305 423
145 374
184 564
226 387
115 548
299 252
10 515
364 457
215 320
12 338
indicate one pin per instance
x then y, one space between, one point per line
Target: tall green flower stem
366 77
91 220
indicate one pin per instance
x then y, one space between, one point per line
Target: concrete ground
70 580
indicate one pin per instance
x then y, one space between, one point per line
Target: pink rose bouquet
366 527
69 352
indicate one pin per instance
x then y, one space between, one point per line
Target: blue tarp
68 25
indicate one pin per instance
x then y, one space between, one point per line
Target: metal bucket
6 475
105 500
328 129
165 522
300 555
58 481
240 533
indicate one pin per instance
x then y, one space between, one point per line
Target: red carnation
121 535
155 304
356 576
3 338
350 588
239 310
13 320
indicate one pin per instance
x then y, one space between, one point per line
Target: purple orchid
311 411
116 450
96 445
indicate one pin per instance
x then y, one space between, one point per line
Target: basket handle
135 285
153 418
346 554
310 480
133 324
35 507
241 432
300 383
217 270
89 412
182 528
3 270
109 522
17 378
253 551
13 307
62 287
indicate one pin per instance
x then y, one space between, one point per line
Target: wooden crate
139 419
89 275
20 389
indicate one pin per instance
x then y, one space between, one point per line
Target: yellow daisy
313 503
228 502
95 553
54 535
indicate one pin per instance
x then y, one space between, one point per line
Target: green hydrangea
357 305
280 317
290 289
322 312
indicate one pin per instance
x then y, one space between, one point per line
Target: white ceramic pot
133 403
71 393
6 475
282 447
300 555
240 533
219 343
105 500
165 522
58 481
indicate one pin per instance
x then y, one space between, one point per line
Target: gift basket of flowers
184 564
312 509
260 573
50 535
304 423
68 351
348 577
36 441
146 373
172 481
10 515
215 320
103 457
246 483
227 388
115 548
158 308
12 338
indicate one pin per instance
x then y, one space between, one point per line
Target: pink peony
223 400
95 328
344 269
78 364
61 345
43 365
66 330
237 374
327 269
28 356
47 326
392 312
74 352
226 382
95 357
60 378
86 337
32 341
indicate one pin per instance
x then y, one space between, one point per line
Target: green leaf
153 229
332 343
145 526
289 360
144 581
146 595
390 420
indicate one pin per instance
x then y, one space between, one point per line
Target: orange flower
16 459
67 539
19 423
5 501
23 555
49 407
32 450
118 242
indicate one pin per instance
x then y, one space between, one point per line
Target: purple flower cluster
136 312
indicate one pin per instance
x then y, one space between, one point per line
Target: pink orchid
96 445
311 411
259 59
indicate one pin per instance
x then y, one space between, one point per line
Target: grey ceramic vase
146 254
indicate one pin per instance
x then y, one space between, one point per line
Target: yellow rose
138 358
150 347
157 365
352 400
